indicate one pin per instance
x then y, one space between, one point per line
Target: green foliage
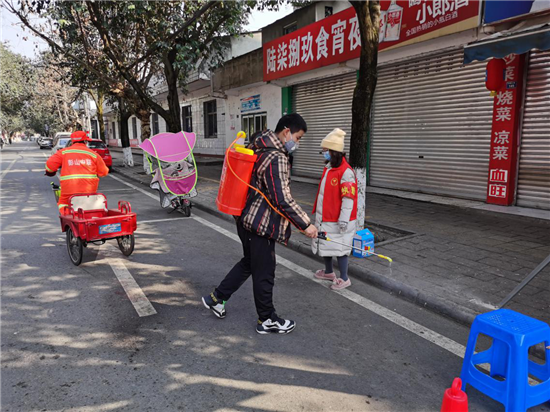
15 81
33 94
120 46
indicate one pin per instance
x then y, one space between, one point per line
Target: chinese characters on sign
503 154
251 103
423 16
337 39
328 41
80 162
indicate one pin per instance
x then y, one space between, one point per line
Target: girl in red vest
335 210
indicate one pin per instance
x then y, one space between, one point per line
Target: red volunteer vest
334 192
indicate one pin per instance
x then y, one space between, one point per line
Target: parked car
99 147
60 141
46 143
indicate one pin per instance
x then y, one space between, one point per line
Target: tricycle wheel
126 244
74 247
186 207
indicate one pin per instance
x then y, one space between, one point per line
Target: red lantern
494 76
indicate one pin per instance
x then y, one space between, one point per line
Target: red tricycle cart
88 220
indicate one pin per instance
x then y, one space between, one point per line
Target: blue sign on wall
502 10
251 103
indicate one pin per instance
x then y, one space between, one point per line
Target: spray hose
321 235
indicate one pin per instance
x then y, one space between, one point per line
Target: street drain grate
384 235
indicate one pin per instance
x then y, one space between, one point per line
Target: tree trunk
124 134
145 120
173 121
99 99
368 16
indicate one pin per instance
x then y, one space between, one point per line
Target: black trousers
258 261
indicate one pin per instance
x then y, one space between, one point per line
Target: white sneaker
275 324
215 305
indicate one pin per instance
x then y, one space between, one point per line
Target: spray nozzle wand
323 236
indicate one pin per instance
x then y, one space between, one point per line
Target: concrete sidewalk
454 260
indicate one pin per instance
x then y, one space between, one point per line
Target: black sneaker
216 305
275 325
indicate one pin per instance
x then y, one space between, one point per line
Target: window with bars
210 120
155 121
186 119
252 123
289 28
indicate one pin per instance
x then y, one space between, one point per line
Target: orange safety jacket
81 169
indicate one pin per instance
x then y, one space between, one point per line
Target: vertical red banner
505 134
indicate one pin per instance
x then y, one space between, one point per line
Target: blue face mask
290 146
327 155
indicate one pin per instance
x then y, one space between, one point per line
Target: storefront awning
501 45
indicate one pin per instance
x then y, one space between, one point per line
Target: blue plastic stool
513 334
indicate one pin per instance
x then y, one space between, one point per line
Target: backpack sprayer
233 190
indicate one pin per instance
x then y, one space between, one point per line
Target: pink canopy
170 147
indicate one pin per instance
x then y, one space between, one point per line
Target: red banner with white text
336 39
505 134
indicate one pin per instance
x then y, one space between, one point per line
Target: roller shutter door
432 127
534 160
324 104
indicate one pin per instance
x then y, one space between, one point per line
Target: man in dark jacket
259 226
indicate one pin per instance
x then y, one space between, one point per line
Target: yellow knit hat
334 140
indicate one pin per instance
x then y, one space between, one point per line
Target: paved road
72 339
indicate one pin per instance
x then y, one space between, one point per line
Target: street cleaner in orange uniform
81 169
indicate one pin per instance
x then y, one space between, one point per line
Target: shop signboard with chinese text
505 134
251 103
336 38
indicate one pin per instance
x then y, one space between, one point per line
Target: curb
451 310
454 311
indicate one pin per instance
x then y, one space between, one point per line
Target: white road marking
425 333
7 169
24 170
163 220
145 192
419 330
117 190
140 302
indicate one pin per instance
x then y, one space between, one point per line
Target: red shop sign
336 39
505 134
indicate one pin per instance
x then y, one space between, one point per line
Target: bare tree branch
95 15
100 75
176 34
